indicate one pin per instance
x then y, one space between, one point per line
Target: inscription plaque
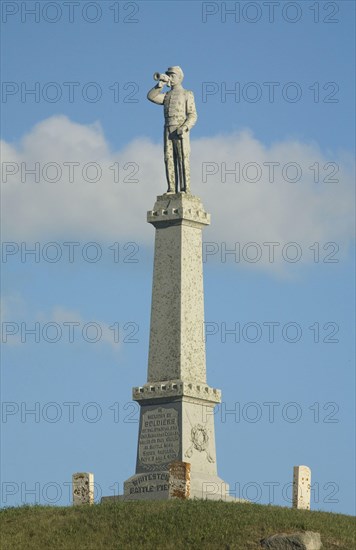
159 437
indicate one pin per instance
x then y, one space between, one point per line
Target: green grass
165 525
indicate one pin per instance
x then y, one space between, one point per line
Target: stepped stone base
179 428
155 486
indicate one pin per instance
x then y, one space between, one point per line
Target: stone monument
176 403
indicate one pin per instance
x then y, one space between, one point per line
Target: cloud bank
287 192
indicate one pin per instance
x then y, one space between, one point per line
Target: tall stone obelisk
176 403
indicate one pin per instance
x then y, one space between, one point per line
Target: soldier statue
180 116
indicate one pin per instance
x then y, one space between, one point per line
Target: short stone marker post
179 480
301 487
83 488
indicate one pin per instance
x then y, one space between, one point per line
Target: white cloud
59 324
87 329
304 212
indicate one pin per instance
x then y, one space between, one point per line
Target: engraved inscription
159 437
150 483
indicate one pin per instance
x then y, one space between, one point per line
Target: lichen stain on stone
179 493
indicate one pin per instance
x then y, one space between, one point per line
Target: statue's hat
176 70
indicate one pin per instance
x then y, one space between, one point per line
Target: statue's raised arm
180 116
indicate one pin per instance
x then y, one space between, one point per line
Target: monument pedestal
176 404
175 428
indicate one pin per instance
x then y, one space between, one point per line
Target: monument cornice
178 209
176 388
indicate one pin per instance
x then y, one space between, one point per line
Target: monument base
176 426
155 486
201 488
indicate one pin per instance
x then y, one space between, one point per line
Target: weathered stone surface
179 430
83 488
179 480
295 541
180 116
159 437
176 403
175 388
152 485
177 347
301 487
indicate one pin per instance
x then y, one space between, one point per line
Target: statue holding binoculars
180 116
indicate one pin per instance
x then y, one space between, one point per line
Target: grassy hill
165 525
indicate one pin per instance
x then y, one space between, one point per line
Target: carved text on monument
159 437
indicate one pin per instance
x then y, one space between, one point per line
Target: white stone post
83 488
301 487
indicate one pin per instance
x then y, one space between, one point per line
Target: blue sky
311 379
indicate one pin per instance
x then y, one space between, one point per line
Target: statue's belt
174 122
